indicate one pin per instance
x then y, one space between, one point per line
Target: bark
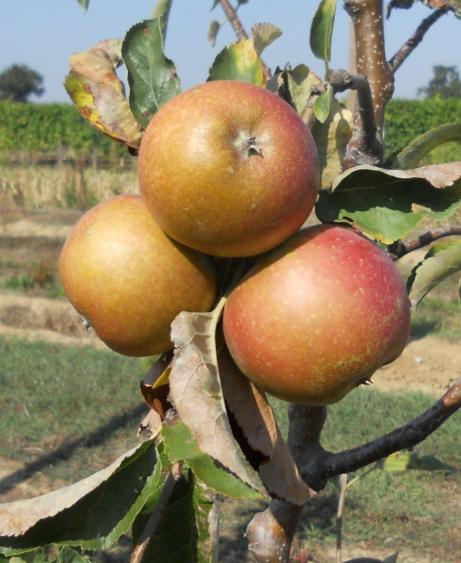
367 20
270 533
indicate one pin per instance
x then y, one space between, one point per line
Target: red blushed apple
121 272
317 316
229 168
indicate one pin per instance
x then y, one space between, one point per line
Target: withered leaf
195 390
253 413
99 95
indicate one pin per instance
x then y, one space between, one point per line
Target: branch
144 540
234 20
367 21
366 145
270 533
409 46
318 469
401 247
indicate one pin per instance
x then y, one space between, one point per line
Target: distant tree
18 82
445 83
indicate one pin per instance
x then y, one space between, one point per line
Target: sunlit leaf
322 30
295 86
263 35
388 204
332 138
92 513
442 260
180 445
398 461
415 151
404 461
322 104
151 75
239 61
99 95
195 390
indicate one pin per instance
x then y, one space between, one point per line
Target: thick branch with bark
367 20
410 45
317 469
270 533
403 247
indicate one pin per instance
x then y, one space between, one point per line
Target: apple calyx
248 146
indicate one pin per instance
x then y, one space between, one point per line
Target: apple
317 316
130 280
229 168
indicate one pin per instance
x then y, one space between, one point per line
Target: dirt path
38 318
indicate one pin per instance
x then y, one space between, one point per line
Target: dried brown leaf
195 390
254 416
99 95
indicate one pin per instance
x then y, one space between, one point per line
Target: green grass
51 395
412 509
439 317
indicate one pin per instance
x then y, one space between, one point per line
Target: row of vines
48 127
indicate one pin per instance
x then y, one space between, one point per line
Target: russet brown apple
129 279
317 316
229 168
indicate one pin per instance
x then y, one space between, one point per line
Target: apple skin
317 316
204 185
121 272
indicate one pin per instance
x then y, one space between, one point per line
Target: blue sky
44 33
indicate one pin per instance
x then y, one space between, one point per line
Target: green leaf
162 11
442 260
239 61
322 104
396 462
403 461
187 529
415 151
213 30
69 555
196 392
381 202
322 30
332 138
215 3
92 513
263 35
84 4
99 95
300 81
152 77
180 445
